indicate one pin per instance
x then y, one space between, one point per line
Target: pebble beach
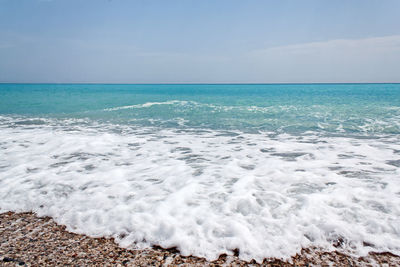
29 240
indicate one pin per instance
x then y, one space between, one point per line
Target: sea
260 169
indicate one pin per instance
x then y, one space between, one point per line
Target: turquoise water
349 108
209 169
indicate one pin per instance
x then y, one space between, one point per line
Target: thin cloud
374 59
387 43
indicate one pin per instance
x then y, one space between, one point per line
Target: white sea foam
148 104
212 106
206 192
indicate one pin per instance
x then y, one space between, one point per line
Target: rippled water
266 169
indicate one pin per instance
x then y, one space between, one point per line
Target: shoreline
26 239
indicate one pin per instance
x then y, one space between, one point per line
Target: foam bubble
206 192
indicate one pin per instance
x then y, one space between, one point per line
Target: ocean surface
266 169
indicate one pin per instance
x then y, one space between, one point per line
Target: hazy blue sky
199 41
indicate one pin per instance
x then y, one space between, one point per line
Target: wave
149 104
251 108
206 192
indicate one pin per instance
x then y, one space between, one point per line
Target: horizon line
199 83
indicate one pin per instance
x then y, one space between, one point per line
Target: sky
199 41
